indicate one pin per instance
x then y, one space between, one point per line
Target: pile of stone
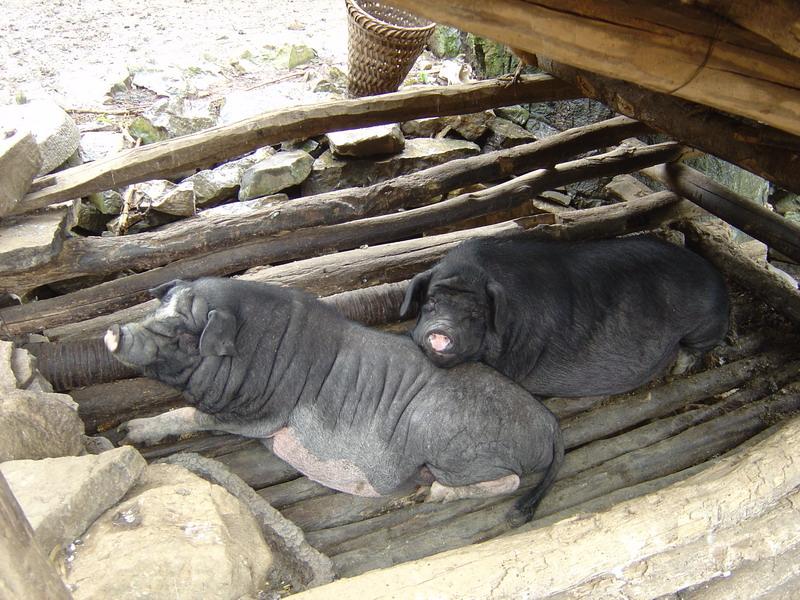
118 528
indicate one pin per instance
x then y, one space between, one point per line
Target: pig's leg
188 419
483 489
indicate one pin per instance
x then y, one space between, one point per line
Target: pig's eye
430 303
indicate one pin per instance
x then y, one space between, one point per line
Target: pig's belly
338 474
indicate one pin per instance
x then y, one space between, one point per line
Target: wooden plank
220 143
674 49
765 151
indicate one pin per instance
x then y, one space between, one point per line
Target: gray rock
470 126
54 130
313 147
23 367
557 197
91 219
95 145
38 425
181 116
330 173
296 560
166 197
61 497
787 204
20 161
33 239
275 173
505 134
221 183
142 129
566 114
540 129
516 114
290 56
108 202
368 141
174 533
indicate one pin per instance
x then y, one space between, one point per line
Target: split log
401 260
768 152
120 293
752 218
626 411
690 447
674 49
289 492
212 230
171 157
730 260
26 570
548 561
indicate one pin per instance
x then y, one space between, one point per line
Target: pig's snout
439 342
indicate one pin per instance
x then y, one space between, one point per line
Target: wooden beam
674 49
765 151
217 144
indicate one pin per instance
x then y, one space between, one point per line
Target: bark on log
673 49
730 260
401 260
202 149
26 570
690 447
120 293
206 233
625 411
551 560
767 152
752 218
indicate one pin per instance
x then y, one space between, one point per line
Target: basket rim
357 7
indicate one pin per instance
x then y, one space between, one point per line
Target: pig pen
358 247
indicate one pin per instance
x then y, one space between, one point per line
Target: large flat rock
61 497
367 141
19 162
33 239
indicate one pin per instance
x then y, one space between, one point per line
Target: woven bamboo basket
383 43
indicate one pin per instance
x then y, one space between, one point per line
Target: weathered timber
401 260
724 496
212 230
203 149
289 492
257 465
730 260
768 152
626 411
126 291
672 48
690 447
752 218
26 570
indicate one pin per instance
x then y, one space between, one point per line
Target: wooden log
211 230
26 570
258 466
692 446
673 49
289 492
756 277
625 411
552 560
767 152
401 260
164 159
120 293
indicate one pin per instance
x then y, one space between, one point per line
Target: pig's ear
161 290
219 335
498 305
417 289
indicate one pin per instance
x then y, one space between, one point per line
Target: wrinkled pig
569 318
357 410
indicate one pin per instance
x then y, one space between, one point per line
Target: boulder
95 145
19 163
470 126
54 130
331 173
505 134
174 533
33 239
368 141
221 183
61 497
516 114
38 425
18 370
181 116
275 173
166 197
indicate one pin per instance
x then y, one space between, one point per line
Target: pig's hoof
441 493
140 432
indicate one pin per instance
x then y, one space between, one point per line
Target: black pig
357 410
569 318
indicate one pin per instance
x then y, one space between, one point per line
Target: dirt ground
58 48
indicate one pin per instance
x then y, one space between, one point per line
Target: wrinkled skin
358 410
569 319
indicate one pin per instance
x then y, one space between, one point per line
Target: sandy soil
53 47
